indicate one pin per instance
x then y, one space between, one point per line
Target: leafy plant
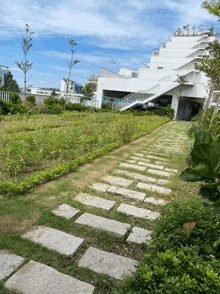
31 99
205 161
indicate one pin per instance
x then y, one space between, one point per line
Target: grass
19 214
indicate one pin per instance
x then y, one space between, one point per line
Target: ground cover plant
35 149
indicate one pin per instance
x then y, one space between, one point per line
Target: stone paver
131 161
66 211
159 173
103 223
162 182
54 239
37 278
103 262
134 166
139 235
99 187
140 158
150 151
155 157
154 188
135 176
8 263
155 201
137 212
171 170
151 165
127 193
139 154
118 181
94 201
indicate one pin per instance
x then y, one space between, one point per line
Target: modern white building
156 83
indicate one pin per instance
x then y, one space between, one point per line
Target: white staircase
163 86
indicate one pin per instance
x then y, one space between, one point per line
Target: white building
157 82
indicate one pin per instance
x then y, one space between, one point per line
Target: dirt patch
10 225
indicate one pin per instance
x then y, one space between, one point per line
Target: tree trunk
207 105
214 113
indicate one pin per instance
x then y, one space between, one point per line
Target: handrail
133 93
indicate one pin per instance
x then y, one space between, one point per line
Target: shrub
106 106
170 234
49 102
62 102
4 109
16 108
183 271
55 109
31 99
14 98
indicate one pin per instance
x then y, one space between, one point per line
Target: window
160 67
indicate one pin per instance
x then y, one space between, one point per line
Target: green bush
4 109
169 232
16 108
106 106
77 106
62 102
49 102
14 98
182 271
31 99
55 109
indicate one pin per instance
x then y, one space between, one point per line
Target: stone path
135 189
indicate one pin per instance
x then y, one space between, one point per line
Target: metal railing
133 97
4 95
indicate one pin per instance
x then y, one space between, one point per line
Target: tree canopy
10 84
213 7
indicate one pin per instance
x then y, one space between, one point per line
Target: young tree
87 92
25 65
211 66
70 64
10 84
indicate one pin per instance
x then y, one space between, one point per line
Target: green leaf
215 157
202 137
203 169
189 176
200 153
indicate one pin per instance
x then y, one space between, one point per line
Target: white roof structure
177 57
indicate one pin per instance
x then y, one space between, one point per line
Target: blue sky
125 31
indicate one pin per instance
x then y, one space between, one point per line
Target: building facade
158 82
3 72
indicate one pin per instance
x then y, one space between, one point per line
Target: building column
174 105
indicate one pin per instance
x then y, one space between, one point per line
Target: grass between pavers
19 214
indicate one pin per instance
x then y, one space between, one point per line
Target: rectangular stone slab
155 153
134 166
137 212
127 193
8 263
139 158
162 182
155 157
37 278
118 181
139 235
94 201
159 173
151 165
103 223
154 188
136 176
139 154
100 187
155 201
54 239
110 264
66 211
171 170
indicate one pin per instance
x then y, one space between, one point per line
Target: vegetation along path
84 232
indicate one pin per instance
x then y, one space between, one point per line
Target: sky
109 33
